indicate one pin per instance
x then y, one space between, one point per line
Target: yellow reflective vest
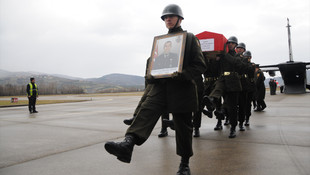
31 88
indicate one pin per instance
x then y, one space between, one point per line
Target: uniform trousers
242 106
153 106
197 114
209 86
231 101
146 91
32 103
261 104
248 105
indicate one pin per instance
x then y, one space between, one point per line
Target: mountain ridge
107 83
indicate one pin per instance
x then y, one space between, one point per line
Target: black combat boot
163 132
247 123
258 109
207 113
218 125
232 132
226 122
129 121
184 168
219 114
196 132
241 127
122 150
209 102
168 123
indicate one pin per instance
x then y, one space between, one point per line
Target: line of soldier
236 80
182 96
231 78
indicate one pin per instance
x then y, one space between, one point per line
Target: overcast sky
92 38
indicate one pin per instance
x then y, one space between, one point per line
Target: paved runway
68 139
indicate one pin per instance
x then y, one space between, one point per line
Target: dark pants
164 116
197 114
248 105
32 103
261 104
150 111
197 120
242 106
231 101
209 86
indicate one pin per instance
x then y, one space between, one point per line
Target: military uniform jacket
211 74
260 86
181 95
251 74
230 66
247 75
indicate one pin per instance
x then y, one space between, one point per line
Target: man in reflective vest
32 91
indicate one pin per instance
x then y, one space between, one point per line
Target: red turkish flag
156 51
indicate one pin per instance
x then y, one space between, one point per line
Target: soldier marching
228 77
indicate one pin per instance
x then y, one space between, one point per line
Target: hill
119 79
60 84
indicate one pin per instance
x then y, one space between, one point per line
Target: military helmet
247 54
241 45
172 9
232 39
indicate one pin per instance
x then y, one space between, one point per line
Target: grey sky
92 38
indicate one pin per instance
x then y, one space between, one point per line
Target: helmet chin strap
176 24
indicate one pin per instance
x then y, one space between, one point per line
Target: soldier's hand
174 74
179 76
220 56
149 79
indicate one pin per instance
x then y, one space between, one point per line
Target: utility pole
289 41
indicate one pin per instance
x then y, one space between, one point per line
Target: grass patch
39 102
113 94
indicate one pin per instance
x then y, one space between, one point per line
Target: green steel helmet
232 39
247 54
241 45
172 9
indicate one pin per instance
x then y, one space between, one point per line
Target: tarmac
68 139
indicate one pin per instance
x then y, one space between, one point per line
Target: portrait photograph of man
167 54
167 59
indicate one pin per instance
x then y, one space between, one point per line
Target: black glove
149 79
220 56
181 76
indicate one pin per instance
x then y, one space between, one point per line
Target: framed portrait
167 55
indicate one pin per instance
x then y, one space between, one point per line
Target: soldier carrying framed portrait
167 55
